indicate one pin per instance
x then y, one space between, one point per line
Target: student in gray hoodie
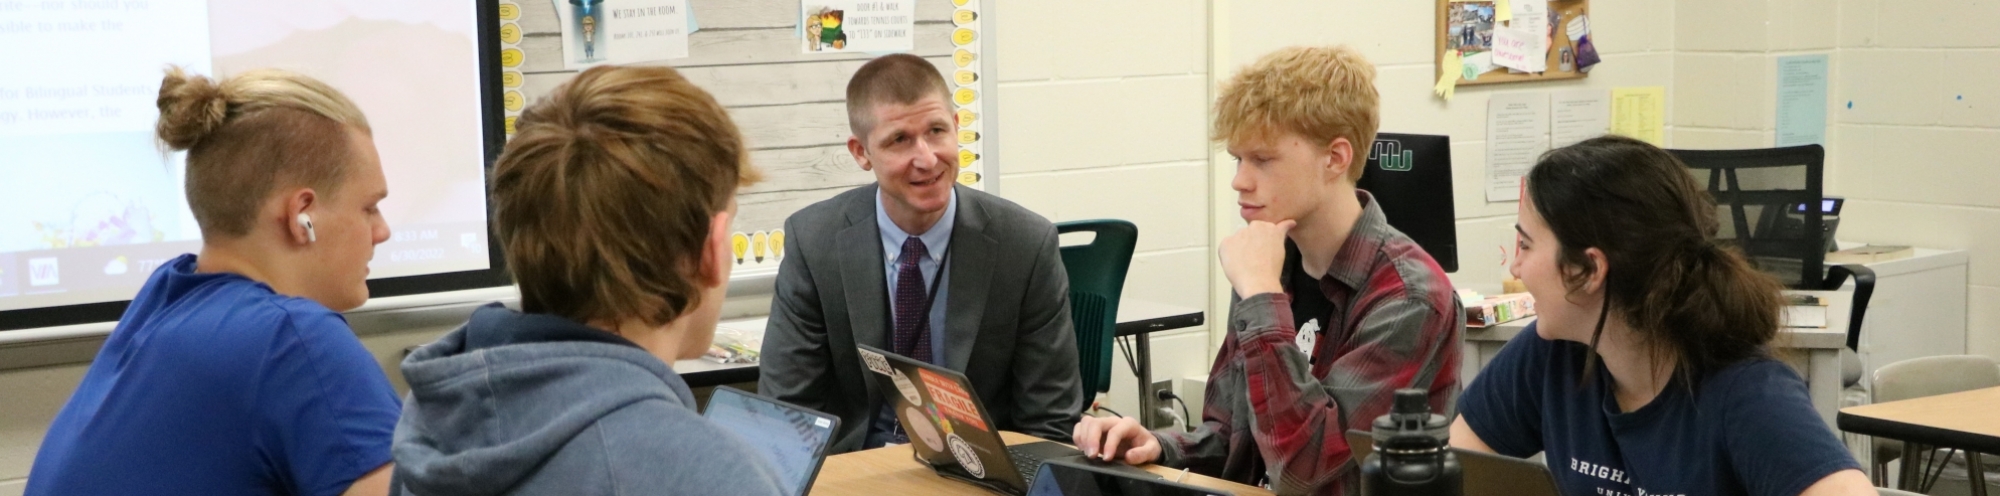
613 204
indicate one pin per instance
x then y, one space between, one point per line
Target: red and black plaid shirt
1275 415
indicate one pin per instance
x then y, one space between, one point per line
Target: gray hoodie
516 403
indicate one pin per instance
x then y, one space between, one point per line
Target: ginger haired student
613 205
1649 369
232 373
1300 122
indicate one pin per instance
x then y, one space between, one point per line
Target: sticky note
1447 78
1503 11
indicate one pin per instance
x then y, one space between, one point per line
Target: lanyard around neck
937 279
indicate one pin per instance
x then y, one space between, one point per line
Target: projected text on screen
90 205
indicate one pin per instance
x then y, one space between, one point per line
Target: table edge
1920 434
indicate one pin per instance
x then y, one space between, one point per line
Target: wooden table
1967 420
890 471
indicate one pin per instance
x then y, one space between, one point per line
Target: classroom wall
1726 55
1102 115
1915 154
1912 116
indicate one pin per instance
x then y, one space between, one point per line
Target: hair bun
191 107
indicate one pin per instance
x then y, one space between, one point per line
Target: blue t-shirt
1746 429
212 384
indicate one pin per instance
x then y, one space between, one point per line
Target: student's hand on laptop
1254 257
1116 438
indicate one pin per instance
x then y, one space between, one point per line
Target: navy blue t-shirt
212 384
1747 429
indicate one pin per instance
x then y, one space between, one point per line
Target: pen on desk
1182 476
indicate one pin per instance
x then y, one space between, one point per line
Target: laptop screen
794 439
1063 479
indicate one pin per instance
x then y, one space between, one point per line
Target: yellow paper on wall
1503 11
1448 73
1640 113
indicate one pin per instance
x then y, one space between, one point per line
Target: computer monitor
1410 176
90 205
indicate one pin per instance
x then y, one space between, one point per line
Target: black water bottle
1411 456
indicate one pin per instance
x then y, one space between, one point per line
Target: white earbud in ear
306 221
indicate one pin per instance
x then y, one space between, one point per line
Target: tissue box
1495 310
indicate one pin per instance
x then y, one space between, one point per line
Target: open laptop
1485 474
793 438
950 431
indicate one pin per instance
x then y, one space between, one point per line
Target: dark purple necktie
913 336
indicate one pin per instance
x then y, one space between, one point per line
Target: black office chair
1410 176
1781 189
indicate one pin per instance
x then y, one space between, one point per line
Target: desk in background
891 470
1820 349
1135 318
1964 420
1918 310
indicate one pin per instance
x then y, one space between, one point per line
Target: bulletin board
789 101
1471 28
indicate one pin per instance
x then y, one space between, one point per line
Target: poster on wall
833 26
1802 100
1640 113
1517 126
598 32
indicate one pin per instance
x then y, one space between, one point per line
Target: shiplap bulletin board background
790 105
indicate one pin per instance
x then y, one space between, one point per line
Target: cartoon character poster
832 26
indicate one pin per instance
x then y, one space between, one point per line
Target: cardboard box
1499 309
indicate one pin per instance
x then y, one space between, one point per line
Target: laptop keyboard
1026 464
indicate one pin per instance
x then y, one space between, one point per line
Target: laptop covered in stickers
950 431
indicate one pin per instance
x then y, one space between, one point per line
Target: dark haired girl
1648 371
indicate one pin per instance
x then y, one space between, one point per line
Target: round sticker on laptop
962 451
921 429
903 385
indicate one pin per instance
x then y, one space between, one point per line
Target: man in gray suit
918 266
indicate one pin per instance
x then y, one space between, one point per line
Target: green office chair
1096 277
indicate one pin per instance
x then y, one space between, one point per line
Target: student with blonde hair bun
613 203
232 373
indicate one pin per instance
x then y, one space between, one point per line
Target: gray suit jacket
1007 320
